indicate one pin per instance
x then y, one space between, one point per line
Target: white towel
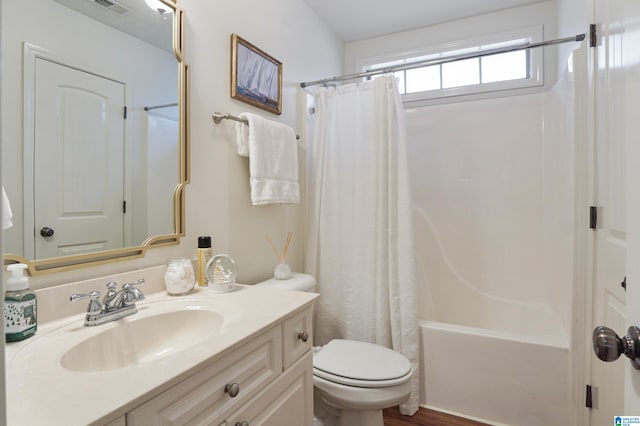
7 215
273 160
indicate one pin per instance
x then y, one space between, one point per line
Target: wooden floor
424 417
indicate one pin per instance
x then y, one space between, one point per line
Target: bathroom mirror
94 130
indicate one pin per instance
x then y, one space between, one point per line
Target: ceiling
134 18
354 20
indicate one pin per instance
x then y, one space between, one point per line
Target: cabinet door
202 398
297 336
120 421
286 402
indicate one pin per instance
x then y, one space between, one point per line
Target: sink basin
134 341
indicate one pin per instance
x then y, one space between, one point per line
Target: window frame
536 65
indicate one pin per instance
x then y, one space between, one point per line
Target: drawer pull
232 389
242 424
304 336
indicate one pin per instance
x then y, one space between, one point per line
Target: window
501 71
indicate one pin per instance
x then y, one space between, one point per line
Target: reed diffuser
282 270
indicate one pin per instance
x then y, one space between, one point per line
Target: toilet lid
359 361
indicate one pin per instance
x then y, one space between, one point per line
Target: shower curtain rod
388 70
149 108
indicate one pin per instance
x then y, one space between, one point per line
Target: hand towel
7 215
273 160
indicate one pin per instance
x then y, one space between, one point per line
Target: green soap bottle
20 308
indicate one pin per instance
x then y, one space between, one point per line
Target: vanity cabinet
286 401
267 381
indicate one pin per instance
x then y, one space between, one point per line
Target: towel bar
218 117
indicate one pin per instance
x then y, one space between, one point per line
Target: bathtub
486 358
497 377
494 196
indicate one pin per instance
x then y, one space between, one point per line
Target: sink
140 340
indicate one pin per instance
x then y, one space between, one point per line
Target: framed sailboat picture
256 77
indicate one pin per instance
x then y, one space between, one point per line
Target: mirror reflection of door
79 161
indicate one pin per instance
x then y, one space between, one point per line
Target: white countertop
40 391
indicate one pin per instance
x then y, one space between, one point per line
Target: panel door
79 161
609 297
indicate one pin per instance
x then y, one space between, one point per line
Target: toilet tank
298 282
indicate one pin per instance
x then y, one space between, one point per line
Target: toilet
353 381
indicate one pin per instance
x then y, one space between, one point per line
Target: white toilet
353 380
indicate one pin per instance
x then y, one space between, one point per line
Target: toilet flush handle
608 346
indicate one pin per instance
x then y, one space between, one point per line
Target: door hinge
588 401
593 217
124 206
125 112
593 36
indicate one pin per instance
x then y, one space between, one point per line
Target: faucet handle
131 293
137 282
94 307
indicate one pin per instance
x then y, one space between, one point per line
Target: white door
617 247
630 15
79 161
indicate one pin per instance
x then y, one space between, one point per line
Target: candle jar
179 277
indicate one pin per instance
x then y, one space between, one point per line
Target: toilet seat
360 364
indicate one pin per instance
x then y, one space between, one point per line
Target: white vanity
241 358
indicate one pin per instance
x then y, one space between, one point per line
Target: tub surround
104 396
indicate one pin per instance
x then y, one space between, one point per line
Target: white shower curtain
359 245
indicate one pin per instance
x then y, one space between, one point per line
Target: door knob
608 346
47 232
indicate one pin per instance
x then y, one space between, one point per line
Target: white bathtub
494 376
499 361
493 196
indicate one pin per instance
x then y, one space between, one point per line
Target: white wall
439 35
574 17
490 173
218 196
218 202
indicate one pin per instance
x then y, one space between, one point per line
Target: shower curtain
359 244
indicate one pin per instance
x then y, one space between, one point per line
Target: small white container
221 272
282 271
179 277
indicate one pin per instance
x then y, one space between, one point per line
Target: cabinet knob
304 336
232 389
242 424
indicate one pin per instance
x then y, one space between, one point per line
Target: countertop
40 391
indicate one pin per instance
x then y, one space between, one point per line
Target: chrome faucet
114 305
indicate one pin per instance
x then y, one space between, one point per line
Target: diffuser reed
282 271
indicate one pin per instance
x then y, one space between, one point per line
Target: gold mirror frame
65 263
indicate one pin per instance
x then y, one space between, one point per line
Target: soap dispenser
20 310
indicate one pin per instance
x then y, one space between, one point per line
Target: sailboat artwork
256 77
